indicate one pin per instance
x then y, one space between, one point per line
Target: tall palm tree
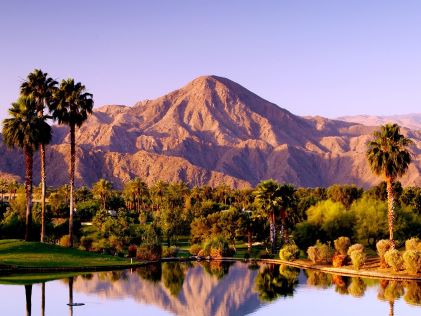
287 203
71 106
102 191
135 193
41 88
26 130
269 199
389 157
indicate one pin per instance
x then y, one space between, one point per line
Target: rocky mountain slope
212 131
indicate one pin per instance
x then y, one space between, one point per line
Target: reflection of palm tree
43 299
28 296
173 277
71 296
270 284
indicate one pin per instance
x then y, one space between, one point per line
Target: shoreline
300 263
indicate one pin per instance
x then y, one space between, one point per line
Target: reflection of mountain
201 293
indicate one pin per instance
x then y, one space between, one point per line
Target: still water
205 288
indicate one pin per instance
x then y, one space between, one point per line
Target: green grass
34 254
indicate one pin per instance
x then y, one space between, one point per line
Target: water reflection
223 288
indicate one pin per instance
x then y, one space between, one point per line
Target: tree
71 106
388 157
27 131
41 88
102 191
135 193
268 198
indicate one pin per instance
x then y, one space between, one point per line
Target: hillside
411 121
212 131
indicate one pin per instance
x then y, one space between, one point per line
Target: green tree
102 191
41 88
135 194
389 157
27 131
345 194
71 106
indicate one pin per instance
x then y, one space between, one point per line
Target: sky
328 58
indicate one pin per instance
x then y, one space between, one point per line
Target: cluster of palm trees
42 99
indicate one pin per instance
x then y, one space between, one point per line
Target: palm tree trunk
72 180
391 210
42 158
249 239
272 231
28 296
28 152
391 308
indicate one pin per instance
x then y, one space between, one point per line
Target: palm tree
28 298
26 130
135 192
71 106
288 201
41 88
102 191
268 198
389 158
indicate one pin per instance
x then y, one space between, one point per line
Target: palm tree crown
40 87
24 128
72 103
387 154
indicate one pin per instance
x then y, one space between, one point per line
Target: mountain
411 121
212 131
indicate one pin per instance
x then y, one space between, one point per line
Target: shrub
195 249
216 247
413 244
150 252
383 246
312 253
132 251
358 258
355 247
64 241
412 261
289 252
338 260
169 252
86 243
394 259
342 244
320 253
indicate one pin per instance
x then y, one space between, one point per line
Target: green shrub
169 252
342 244
394 259
382 247
355 247
194 249
149 252
413 244
358 258
289 252
412 261
216 247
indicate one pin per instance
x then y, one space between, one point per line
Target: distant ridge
212 131
411 121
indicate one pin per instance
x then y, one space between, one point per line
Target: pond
207 288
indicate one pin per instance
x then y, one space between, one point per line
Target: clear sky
312 57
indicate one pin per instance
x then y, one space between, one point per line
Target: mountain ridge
213 131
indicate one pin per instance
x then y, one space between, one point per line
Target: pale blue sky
312 57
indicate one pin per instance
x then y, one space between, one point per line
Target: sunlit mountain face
212 131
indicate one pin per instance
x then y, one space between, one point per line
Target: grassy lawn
35 254
23 279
